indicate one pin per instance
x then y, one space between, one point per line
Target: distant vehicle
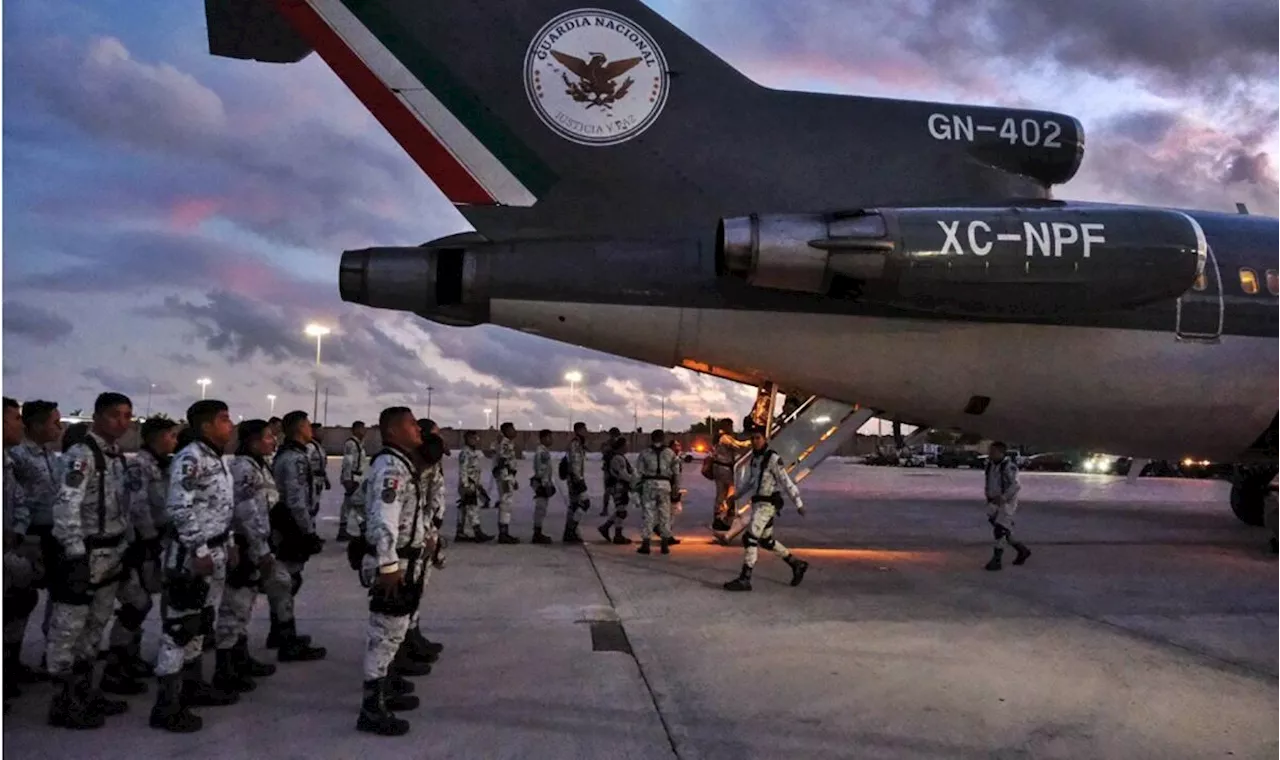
960 458
912 459
1203 468
882 459
1052 462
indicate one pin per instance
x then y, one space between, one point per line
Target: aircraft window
1201 282
1273 287
1248 281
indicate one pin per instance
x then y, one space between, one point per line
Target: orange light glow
700 447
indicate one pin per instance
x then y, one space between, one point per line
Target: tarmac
1143 626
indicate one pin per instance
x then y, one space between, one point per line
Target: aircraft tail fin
540 116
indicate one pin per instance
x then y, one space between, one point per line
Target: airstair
803 439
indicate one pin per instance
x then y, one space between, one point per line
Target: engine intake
1054 259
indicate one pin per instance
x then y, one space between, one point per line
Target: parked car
954 458
1051 462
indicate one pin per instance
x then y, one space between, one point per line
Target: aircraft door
1200 309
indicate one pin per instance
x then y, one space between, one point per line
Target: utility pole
326 406
497 408
664 414
429 389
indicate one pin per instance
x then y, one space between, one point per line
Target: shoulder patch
75 472
188 473
133 478
390 486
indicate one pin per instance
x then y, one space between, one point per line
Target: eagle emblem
596 85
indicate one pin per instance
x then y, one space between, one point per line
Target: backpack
564 467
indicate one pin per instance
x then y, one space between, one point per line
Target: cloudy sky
169 215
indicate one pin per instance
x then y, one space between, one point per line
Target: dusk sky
169 215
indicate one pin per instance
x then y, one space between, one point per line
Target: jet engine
1051 259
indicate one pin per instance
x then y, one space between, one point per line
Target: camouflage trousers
75 629
134 596
21 577
539 511
234 614
760 533
468 515
352 513
386 634
186 625
278 588
655 502
506 495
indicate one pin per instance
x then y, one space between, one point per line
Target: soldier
656 468
319 466
677 493
197 559
723 456
544 485
21 564
767 479
89 524
277 432
35 468
147 485
469 490
622 479
293 527
432 453
1002 504
504 474
353 463
397 518
606 453
575 460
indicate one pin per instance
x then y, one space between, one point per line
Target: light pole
271 399
429 389
149 392
574 377
487 412
663 424
204 384
316 331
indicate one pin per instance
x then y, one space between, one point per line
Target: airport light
271 399
316 331
574 377
204 384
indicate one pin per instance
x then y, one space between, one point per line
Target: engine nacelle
1054 259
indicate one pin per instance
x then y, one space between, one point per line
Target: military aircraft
633 193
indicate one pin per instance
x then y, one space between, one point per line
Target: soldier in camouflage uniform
293 527
579 502
1002 489
469 490
504 474
397 523
147 485
89 523
319 465
606 453
20 569
201 503
622 479
656 469
544 485
418 650
353 465
766 480
35 472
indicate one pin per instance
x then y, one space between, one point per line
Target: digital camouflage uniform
293 536
723 457
1002 489
622 480
579 501
352 478
469 489
38 471
767 480
147 486
89 524
504 474
656 470
23 567
544 485
319 473
255 492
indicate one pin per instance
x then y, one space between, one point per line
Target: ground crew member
723 456
89 524
147 488
766 480
22 565
544 485
622 479
353 464
201 503
656 468
319 465
579 501
606 452
397 517
35 468
504 474
293 526
1002 504
469 490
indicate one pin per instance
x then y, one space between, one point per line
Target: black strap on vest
99 464
415 474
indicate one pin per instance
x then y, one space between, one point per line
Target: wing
576 65
617 68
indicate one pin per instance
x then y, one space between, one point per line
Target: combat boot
742 582
504 535
14 667
618 538
227 677
169 713
295 648
275 636
995 563
399 685
539 537
69 708
196 692
481 537
135 665
798 569
604 530
644 546
419 649
375 717
93 698
720 524
571 534
405 665
666 546
246 664
671 540
117 678
1023 554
